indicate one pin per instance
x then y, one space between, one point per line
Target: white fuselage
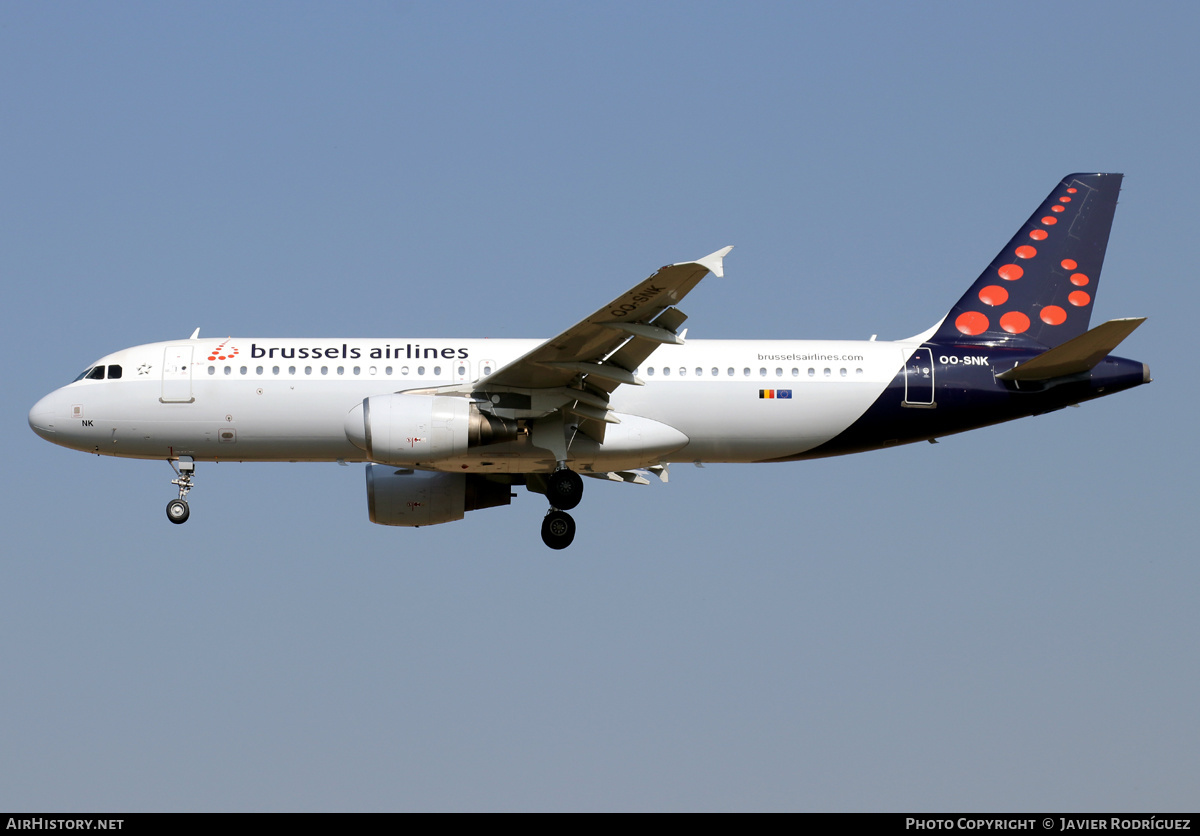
287 399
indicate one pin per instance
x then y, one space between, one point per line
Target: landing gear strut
177 509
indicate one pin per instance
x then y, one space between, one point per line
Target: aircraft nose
44 416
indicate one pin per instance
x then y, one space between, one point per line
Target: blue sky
1004 621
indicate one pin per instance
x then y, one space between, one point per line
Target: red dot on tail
1038 234
1049 220
1053 315
971 323
1078 298
1014 322
1072 190
1064 200
1079 279
1057 208
1026 251
1069 264
993 295
1010 272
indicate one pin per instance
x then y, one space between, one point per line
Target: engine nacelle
418 429
420 497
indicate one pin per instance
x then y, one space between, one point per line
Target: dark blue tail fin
1041 287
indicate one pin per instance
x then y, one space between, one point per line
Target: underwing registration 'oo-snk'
447 426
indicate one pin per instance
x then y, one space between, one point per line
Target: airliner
447 426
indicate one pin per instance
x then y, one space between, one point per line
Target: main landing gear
564 489
177 509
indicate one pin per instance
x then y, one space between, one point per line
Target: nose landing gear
177 509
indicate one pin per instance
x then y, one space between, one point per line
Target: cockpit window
114 372
96 373
83 374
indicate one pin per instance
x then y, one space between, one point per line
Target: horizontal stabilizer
1075 356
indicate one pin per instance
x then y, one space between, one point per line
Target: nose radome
43 417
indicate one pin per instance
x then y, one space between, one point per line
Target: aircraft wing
573 374
607 346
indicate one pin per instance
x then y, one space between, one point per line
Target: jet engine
421 497
414 429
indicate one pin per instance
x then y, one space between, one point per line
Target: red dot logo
1026 251
971 323
993 295
1053 315
1057 208
1072 190
230 352
1064 199
1069 264
1079 279
1010 272
1038 235
1078 298
1049 220
1014 322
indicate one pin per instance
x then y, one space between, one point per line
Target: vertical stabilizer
1041 287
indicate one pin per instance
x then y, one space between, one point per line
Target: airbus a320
447 426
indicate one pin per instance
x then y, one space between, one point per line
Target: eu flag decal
782 394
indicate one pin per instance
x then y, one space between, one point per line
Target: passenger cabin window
650 371
746 372
229 370
114 372
212 369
